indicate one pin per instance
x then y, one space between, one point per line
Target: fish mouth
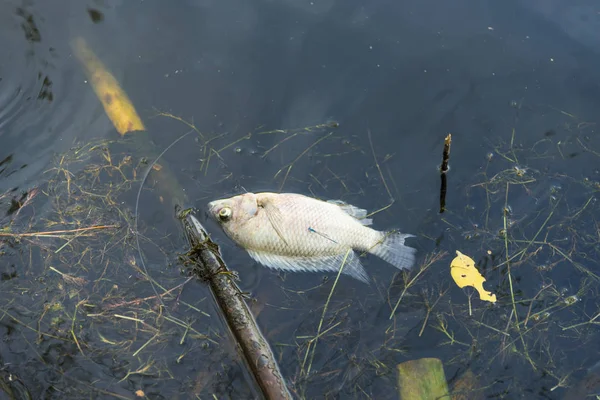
211 206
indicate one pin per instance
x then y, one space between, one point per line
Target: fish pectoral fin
348 260
275 218
358 213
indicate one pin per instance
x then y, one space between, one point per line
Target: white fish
293 232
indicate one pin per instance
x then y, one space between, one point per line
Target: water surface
515 82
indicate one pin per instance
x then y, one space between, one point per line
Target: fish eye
224 213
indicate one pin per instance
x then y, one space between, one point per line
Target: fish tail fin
392 249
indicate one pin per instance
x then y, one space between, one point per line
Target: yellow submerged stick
116 103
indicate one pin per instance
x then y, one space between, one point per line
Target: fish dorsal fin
358 213
274 216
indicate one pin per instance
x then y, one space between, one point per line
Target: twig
49 233
443 170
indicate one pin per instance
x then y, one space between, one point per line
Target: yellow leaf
116 103
464 274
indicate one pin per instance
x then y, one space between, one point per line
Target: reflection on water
515 82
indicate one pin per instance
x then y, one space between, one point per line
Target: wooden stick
255 348
443 170
446 154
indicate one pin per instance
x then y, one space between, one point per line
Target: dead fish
293 232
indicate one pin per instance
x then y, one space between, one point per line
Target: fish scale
324 218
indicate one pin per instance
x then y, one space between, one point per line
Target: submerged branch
255 348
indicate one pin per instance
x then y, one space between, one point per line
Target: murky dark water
517 83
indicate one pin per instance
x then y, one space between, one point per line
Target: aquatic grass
81 247
509 270
518 254
313 341
518 327
190 124
289 166
524 252
409 281
89 307
429 306
524 248
58 233
387 189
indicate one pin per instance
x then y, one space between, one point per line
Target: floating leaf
464 274
116 103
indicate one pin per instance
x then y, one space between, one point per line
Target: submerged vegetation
76 293
77 304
